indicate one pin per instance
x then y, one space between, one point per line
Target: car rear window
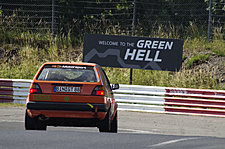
71 73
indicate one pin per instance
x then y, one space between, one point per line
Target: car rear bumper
62 106
67 110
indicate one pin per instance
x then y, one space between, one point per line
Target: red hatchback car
71 94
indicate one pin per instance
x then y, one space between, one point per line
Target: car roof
72 63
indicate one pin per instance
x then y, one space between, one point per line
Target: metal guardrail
171 100
141 98
15 90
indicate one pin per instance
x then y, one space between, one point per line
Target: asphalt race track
136 131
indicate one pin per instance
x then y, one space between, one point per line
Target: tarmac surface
136 130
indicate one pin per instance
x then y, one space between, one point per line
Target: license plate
67 89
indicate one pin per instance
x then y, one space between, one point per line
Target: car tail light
35 89
99 91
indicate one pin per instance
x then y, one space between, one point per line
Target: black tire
114 125
29 122
105 125
40 125
34 123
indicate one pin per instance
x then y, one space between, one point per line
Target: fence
15 91
140 17
141 98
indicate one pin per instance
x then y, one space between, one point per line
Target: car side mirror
115 86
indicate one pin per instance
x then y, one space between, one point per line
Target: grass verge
11 105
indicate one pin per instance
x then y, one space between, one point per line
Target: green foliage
11 105
21 55
23 52
192 78
197 59
219 52
218 48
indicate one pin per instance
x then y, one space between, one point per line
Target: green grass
11 105
219 52
197 59
217 47
22 53
186 78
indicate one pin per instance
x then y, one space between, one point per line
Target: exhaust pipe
42 118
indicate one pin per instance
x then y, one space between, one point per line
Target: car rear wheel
114 125
105 124
40 125
29 122
34 123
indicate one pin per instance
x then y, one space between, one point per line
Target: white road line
172 141
137 131
12 121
